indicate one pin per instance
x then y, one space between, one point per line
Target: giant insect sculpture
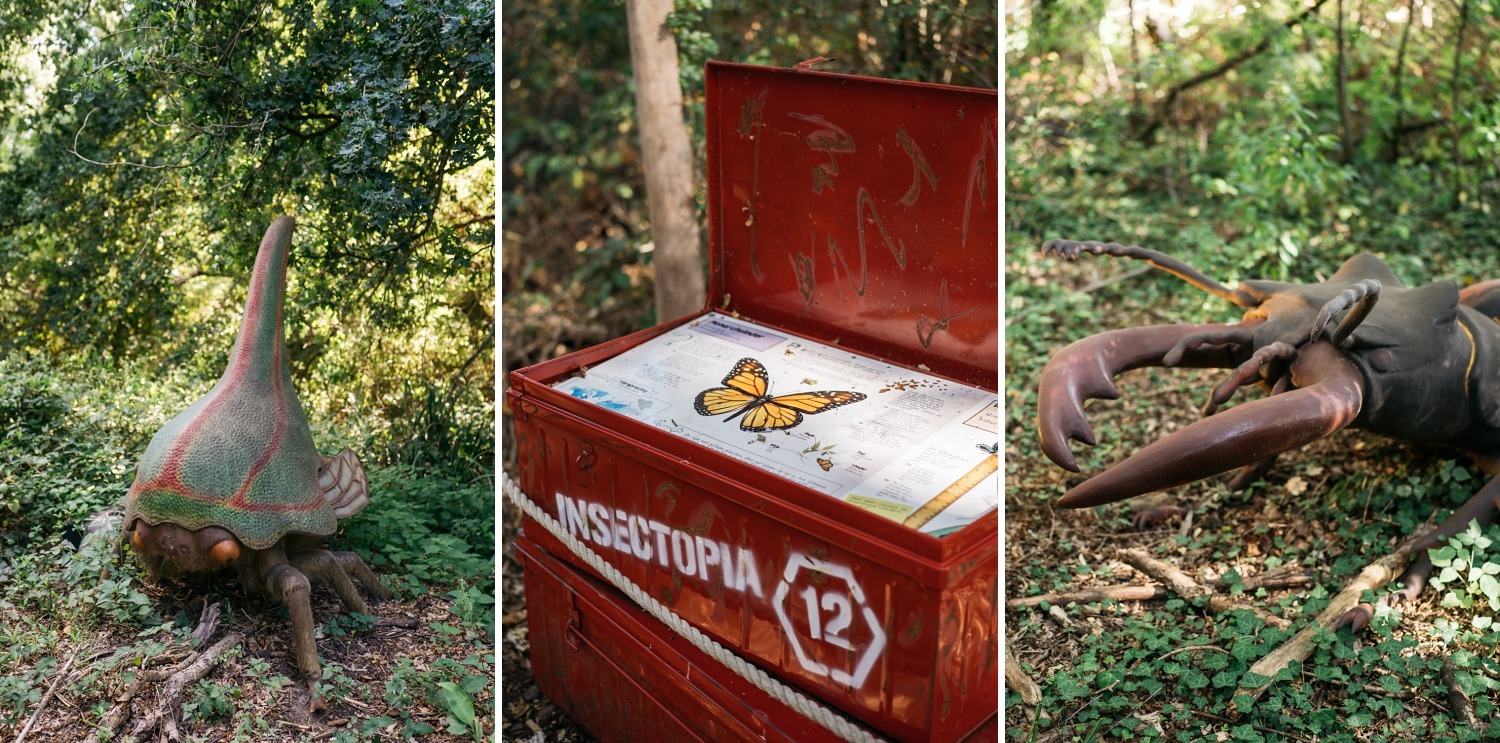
234 481
1360 350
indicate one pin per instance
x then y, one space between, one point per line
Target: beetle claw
1330 400
1086 369
1356 619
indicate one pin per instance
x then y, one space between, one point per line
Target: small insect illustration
746 392
989 448
826 464
809 380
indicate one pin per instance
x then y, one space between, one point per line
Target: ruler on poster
952 493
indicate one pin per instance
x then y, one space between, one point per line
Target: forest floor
250 693
1170 669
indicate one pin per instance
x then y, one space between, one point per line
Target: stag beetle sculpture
1420 364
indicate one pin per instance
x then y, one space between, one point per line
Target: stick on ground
57 679
1297 649
1018 681
1463 709
171 697
1127 592
1286 576
1183 585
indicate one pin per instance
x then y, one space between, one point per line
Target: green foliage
47 449
352 623
1467 568
238 109
143 152
207 700
434 525
460 708
448 685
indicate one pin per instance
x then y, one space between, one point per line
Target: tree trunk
1397 72
1346 138
667 160
1453 117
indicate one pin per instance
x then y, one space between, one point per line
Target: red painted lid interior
858 210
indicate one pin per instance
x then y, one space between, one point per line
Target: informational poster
909 446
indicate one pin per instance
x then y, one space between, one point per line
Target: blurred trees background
577 268
144 150
1276 129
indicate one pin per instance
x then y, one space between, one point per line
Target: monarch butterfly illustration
745 392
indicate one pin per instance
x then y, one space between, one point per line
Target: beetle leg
322 565
1156 515
1071 249
1278 351
1234 335
1250 473
356 569
1481 508
289 586
1362 296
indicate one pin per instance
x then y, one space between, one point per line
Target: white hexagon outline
871 652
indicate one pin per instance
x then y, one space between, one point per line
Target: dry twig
57 679
1183 585
171 698
1126 592
194 662
1297 649
1286 576
1018 681
1463 709
208 621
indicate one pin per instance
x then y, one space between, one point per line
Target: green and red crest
242 456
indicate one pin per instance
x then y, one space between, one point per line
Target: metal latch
573 632
585 462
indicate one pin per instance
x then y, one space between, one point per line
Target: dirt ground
369 659
1228 531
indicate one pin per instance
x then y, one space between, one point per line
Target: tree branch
1458 53
1165 107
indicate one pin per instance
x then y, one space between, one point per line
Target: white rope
823 716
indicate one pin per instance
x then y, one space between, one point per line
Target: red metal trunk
623 676
848 211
